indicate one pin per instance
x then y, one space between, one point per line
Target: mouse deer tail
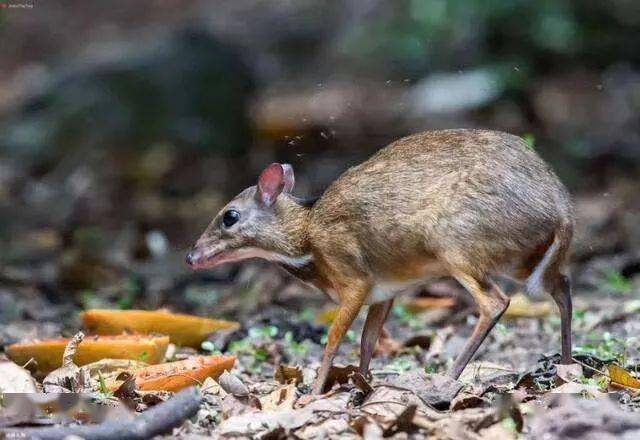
545 274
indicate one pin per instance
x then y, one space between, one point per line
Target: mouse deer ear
289 179
270 184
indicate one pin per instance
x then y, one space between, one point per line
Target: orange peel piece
183 330
174 376
47 353
417 305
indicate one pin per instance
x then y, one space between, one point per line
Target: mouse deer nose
193 256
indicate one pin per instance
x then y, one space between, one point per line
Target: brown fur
466 203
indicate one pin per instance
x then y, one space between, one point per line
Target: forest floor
513 388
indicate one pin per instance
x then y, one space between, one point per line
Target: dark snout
195 257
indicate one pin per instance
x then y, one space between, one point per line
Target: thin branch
158 420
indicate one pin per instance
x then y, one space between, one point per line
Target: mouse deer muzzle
206 253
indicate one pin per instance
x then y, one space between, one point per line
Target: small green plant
131 289
308 314
602 382
609 347
260 354
103 385
616 282
400 365
91 300
407 317
431 368
300 348
530 140
209 347
510 425
254 344
270 331
242 345
502 329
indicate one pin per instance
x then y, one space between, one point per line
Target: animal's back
458 194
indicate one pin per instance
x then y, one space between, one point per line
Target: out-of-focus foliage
185 88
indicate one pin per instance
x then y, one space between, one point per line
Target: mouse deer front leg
352 297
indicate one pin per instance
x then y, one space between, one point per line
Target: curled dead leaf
231 384
286 374
68 378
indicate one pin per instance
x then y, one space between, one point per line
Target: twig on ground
157 420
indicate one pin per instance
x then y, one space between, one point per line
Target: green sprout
209 347
530 140
407 317
300 348
617 282
609 347
103 385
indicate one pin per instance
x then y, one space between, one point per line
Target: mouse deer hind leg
492 303
548 277
561 294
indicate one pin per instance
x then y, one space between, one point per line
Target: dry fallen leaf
210 386
403 423
231 384
387 402
314 415
339 375
622 377
68 378
108 370
386 345
585 390
286 374
281 399
483 372
184 330
570 372
15 379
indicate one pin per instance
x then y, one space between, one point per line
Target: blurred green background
125 125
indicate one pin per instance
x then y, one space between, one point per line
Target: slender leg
491 304
376 317
352 301
562 296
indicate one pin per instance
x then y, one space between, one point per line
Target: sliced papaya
174 376
184 330
420 304
47 354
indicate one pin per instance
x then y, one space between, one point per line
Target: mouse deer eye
230 218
